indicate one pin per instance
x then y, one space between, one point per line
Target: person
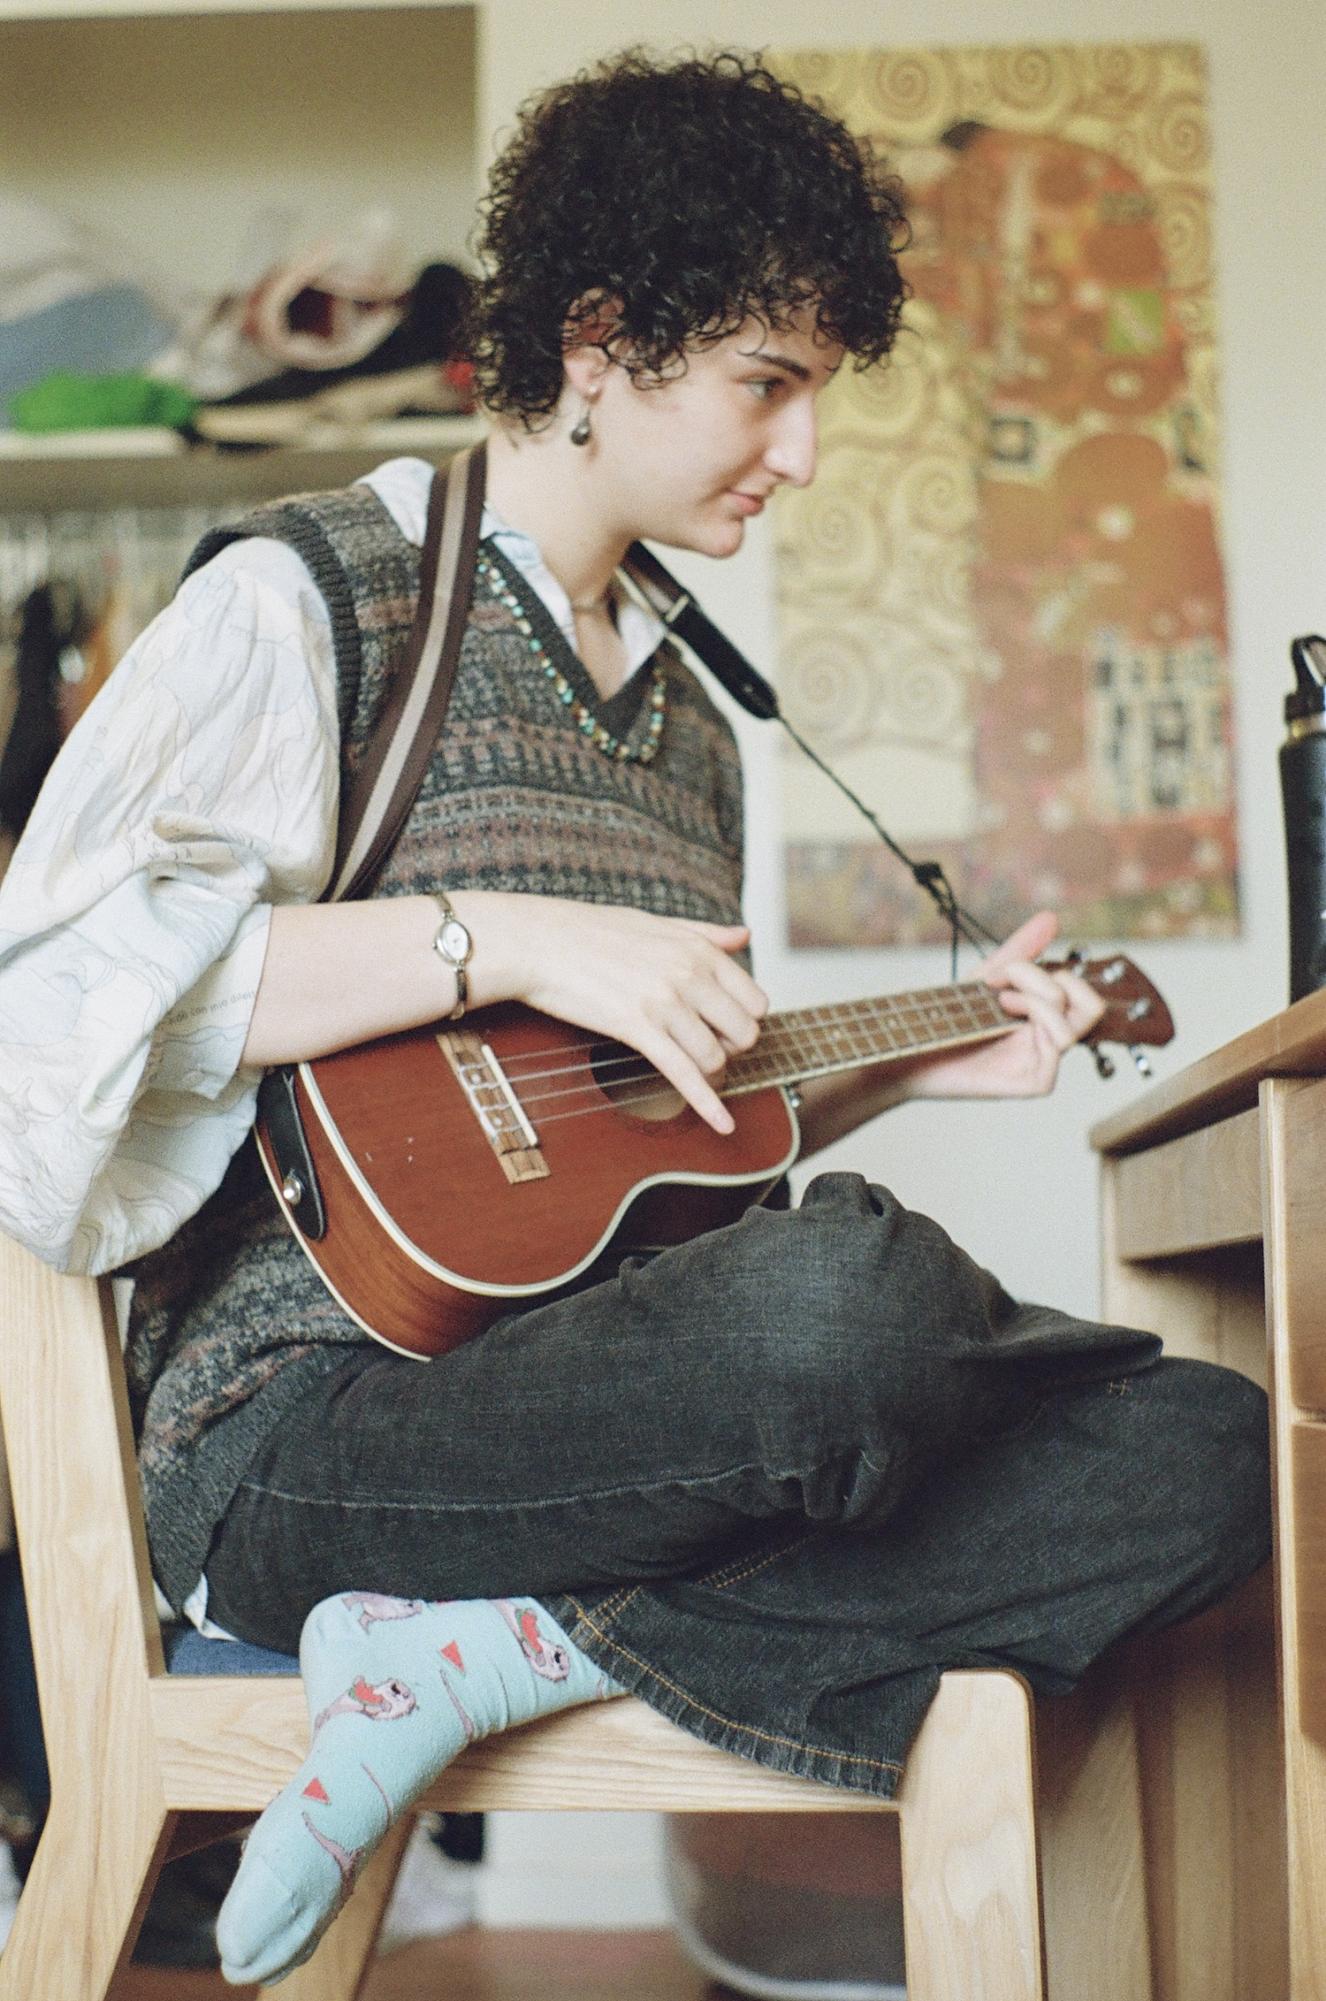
775 1479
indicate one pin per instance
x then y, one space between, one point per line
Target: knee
853 1263
1211 1451
1234 1453
852 1300
803 1288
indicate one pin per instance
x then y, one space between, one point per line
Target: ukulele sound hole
635 1088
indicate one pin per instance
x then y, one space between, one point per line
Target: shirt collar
641 630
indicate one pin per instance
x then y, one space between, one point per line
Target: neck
542 484
845 1035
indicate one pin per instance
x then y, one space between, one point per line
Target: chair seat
187 1652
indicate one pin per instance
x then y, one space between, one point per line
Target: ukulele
440 1177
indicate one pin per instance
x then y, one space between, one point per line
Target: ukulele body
440 1214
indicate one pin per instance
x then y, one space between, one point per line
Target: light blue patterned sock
396 1687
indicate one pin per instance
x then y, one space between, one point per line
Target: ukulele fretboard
812 1041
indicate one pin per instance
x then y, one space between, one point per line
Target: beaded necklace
584 718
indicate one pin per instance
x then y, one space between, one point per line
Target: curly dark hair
697 192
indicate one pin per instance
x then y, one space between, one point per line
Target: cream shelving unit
178 131
154 468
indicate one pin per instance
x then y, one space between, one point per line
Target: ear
588 333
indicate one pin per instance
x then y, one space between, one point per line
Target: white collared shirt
199 790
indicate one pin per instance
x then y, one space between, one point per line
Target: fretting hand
1056 1009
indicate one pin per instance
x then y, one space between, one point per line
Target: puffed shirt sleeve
199 790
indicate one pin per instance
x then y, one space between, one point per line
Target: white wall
1016 1183
176 134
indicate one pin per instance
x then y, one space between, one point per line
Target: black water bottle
1303 786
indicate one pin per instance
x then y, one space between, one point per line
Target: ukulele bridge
495 1105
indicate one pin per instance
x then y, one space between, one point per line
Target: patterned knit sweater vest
229 1320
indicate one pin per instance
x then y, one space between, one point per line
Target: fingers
1027 942
736 1007
1066 1003
1049 1017
730 936
714 1018
1064 992
672 1060
669 987
1085 1006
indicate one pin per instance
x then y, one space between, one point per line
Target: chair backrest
77 1504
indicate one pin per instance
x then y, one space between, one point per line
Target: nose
794 448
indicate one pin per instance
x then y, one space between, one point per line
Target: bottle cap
1309 696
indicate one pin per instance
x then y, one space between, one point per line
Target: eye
763 386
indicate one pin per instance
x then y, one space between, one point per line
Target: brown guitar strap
385 786
397 757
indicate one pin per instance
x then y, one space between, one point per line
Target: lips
750 503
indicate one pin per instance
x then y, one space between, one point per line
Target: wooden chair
146 1763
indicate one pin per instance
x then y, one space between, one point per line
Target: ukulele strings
798 1021
778 1042
625 1102
614 1097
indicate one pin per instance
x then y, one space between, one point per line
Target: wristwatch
453 943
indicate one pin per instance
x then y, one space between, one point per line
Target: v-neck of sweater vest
619 713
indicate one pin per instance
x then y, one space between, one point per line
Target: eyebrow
797 368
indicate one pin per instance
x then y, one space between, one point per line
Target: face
689 461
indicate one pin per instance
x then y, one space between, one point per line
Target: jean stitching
616 1602
487 1506
728 1722
624 1599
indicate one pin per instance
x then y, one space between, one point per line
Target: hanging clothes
51 620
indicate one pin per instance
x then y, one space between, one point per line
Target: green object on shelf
64 402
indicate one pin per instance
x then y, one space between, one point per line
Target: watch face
455 941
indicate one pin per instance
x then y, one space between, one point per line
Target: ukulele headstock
1136 1013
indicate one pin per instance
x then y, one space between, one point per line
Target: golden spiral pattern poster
1001 604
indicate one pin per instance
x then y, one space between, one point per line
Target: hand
667 986
1057 1010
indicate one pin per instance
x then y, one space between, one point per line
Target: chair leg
337 1969
1092 1842
89 1885
1214 1794
971 1892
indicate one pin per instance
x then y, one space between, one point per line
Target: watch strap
457 965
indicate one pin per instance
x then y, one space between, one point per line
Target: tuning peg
1139 1009
1104 1064
1110 975
1075 957
1142 1060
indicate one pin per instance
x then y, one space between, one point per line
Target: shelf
81 10
75 470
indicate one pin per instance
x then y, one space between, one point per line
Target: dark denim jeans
775 1481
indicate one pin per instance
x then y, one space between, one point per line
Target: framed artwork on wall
1002 603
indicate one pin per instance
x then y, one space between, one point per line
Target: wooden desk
1214 1226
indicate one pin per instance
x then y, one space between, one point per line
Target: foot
396 1687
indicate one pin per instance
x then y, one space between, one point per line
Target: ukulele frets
495 1105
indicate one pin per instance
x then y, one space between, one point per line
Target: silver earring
580 435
